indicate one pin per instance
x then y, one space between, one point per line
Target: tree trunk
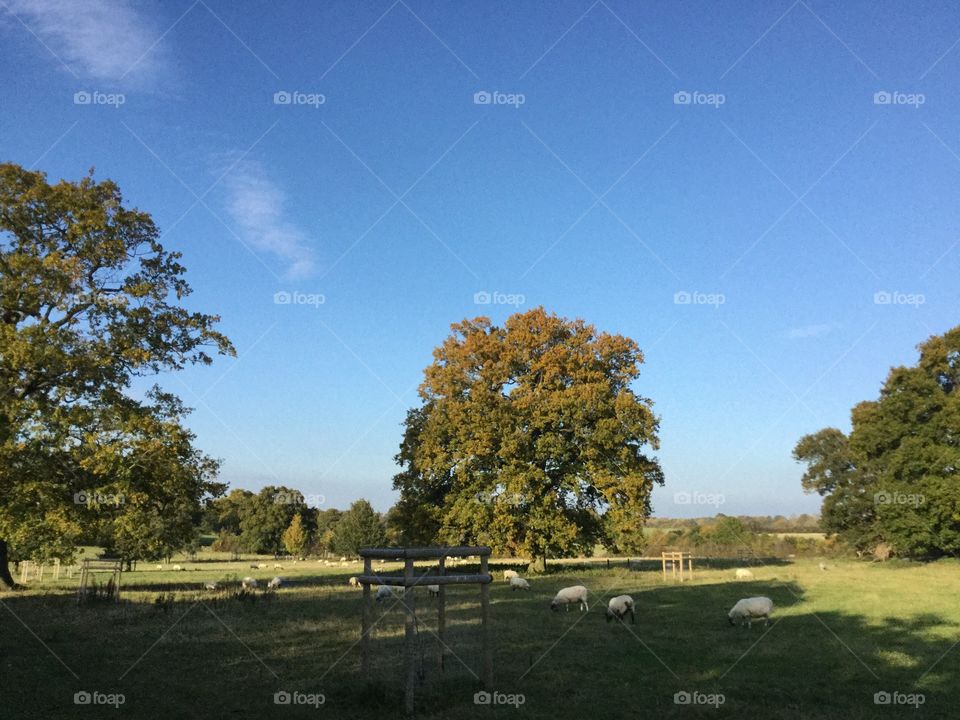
538 565
6 580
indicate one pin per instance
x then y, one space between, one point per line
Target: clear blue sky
782 187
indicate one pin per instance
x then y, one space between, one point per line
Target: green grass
839 637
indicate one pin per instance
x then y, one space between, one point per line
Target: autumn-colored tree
265 516
89 300
295 536
530 438
895 480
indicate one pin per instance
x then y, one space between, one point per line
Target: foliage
894 479
295 536
530 439
360 526
265 516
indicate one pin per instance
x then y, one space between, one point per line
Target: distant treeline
754 523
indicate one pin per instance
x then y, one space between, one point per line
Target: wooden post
410 633
365 629
442 614
485 627
663 563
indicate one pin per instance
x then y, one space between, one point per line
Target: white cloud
809 331
105 40
258 208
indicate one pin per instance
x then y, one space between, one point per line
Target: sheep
277 566
159 567
353 582
744 574
508 575
211 586
750 608
518 583
385 592
254 566
433 590
343 559
275 583
824 566
569 595
248 582
177 568
618 608
261 566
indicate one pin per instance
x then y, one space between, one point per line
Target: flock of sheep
744 612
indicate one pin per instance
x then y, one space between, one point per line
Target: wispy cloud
258 207
809 331
104 40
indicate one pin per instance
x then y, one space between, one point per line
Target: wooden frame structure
94 567
676 562
34 568
410 580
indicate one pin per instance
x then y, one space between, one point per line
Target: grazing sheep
824 566
518 583
159 567
261 566
384 592
744 574
569 595
177 568
508 575
353 582
618 608
343 559
254 566
275 583
211 586
248 582
749 609
278 566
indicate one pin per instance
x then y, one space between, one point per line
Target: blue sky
632 156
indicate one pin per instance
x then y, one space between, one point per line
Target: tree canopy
894 479
90 300
529 438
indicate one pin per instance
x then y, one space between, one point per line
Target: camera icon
882 298
282 97
482 698
682 698
81 498
882 498
881 698
282 297
282 698
882 97
682 298
682 498
482 97
482 298
82 698
82 98
682 98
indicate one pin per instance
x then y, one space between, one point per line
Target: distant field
838 637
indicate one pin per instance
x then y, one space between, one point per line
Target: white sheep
385 592
569 595
343 559
518 583
278 566
744 574
433 590
749 609
275 583
508 575
159 567
261 566
824 566
353 582
177 568
618 608
211 586
248 582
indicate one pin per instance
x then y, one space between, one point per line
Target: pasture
837 638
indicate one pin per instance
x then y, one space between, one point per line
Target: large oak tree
530 438
89 301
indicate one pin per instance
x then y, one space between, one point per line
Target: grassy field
838 637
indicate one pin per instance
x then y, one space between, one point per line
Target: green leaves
540 411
